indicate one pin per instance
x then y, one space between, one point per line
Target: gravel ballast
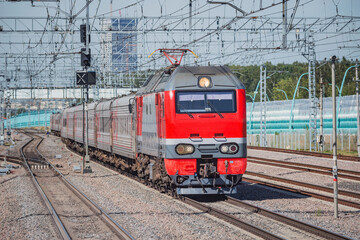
310 210
144 212
22 213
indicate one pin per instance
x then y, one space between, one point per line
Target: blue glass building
124 45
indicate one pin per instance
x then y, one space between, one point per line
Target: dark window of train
164 79
147 80
206 102
107 123
146 109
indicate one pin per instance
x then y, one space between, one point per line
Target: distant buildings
118 47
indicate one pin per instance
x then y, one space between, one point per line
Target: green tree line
285 77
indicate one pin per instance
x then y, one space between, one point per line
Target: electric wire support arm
174 55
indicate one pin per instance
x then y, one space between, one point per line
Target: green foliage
287 75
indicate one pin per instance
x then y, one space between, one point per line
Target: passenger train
183 131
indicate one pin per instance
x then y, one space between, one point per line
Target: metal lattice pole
334 142
358 108
263 141
312 92
321 142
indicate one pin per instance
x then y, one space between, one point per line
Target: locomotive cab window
206 102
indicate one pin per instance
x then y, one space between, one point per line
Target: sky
238 40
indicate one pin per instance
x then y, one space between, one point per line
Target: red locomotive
184 130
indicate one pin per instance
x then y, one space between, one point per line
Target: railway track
303 192
315 154
286 223
74 214
303 184
286 220
243 224
342 173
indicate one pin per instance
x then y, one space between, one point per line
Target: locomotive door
139 112
133 113
160 122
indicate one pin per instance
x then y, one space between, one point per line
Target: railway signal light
85 78
83 33
85 58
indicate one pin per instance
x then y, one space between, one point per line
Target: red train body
183 131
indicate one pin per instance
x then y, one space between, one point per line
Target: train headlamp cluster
229 148
204 82
183 149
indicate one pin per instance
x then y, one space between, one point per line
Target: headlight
229 148
204 82
183 149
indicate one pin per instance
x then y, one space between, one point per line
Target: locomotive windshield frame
221 101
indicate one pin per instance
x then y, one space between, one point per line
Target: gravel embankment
144 212
22 213
19 139
310 210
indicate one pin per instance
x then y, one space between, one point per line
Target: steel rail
230 219
238 223
302 192
214 212
287 220
305 165
110 222
60 226
314 154
303 184
305 169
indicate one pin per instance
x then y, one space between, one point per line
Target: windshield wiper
185 111
214 108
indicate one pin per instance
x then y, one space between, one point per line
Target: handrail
340 91
293 101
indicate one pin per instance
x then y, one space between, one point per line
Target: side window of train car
101 124
107 124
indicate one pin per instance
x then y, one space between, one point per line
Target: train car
55 124
79 132
64 126
103 126
183 132
92 124
123 137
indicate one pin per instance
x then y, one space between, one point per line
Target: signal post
85 78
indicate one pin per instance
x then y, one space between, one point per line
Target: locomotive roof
186 78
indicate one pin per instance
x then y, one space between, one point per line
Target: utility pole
263 141
1 116
284 27
321 137
334 146
358 107
190 21
312 91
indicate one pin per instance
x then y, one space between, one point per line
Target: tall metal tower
106 50
312 90
263 141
